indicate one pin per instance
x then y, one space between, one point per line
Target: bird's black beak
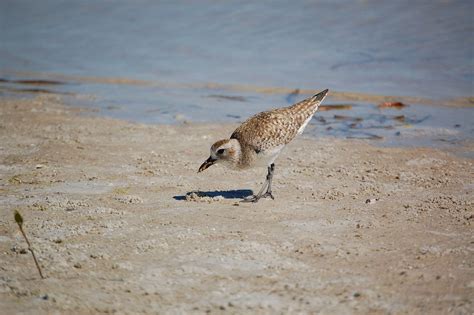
206 164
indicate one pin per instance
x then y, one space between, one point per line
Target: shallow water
414 125
158 62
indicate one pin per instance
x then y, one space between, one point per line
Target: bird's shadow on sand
226 194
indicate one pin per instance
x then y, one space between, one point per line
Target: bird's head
226 150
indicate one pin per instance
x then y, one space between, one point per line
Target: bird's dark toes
252 198
268 194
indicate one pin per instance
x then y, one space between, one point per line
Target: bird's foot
268 194
256 198
252 198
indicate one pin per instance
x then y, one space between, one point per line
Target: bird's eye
220 151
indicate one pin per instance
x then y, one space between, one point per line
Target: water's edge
413 122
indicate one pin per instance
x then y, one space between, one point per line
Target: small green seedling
19 221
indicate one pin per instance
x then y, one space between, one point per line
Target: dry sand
354 229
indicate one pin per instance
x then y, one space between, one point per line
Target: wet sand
110 211
56 79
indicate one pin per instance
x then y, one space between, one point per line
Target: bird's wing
267 130
279 126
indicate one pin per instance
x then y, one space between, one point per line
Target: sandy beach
122 223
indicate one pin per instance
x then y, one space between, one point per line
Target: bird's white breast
267 157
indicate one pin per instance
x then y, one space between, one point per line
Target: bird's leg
267 185
268 193
255 198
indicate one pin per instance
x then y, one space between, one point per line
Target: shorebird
260 139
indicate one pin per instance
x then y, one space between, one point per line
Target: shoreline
344 96
409 125
354 228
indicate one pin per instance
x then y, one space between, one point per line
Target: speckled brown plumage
275 127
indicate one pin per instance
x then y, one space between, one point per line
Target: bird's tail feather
311 104
320 96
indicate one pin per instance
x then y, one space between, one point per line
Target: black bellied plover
260 139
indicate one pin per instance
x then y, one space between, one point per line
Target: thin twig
19 221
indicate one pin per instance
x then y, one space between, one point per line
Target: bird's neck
236 153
